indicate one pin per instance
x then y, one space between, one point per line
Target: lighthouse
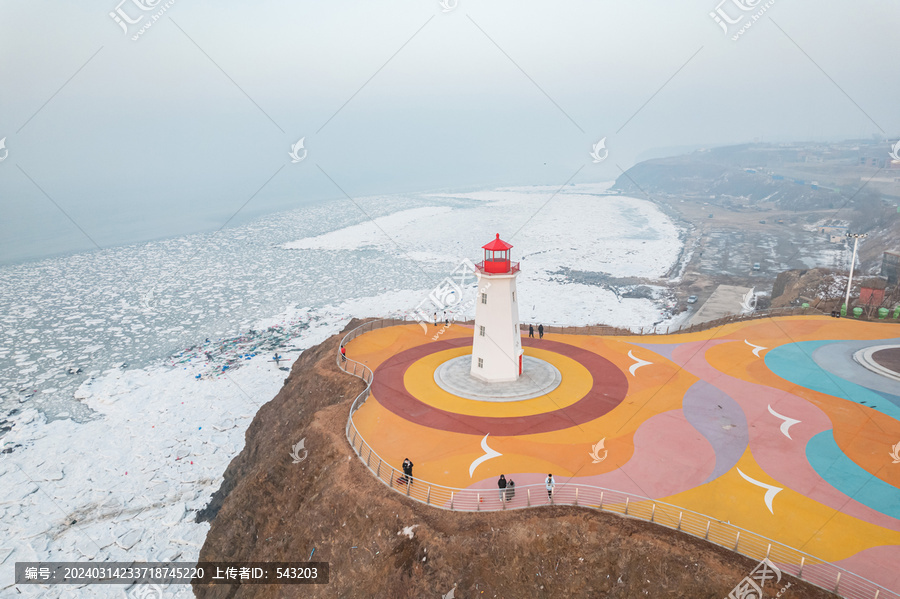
497 345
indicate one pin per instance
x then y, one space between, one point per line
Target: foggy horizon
175 131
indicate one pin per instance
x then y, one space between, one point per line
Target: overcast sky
174 131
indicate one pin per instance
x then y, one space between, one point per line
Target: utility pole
856 237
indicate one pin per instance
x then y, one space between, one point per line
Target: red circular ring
610 386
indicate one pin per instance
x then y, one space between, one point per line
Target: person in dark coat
541 331
407 470
510 489
531 330
502 485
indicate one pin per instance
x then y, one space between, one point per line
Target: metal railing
668 330
792 561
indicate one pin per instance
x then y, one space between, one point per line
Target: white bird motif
488 454
296 449
3 147
756 349
295 149
787 424
595 153
895 151
448 5
771 491
896 454
595 451
637 363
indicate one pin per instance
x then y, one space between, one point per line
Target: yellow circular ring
419 381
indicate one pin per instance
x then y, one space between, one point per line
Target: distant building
890 267
834 233
876 162
871 292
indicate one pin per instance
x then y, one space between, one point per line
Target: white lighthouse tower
497 346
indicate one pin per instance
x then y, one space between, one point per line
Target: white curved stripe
637 363
756 348
488 454
786 425
771 492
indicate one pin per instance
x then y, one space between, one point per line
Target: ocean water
134 305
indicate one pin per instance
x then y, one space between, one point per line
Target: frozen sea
128 376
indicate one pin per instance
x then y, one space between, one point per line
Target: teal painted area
849 478
794 362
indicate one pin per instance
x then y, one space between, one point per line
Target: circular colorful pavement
573 402
771 425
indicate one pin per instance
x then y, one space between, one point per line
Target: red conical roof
497 245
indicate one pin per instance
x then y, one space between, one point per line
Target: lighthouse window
481 331
481 362
514 296
484 298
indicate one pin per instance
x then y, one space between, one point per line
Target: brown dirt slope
269 509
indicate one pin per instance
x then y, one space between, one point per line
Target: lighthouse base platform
538 378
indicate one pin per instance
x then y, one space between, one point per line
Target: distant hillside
752 176
850 182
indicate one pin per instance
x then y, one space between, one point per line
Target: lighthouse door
520 364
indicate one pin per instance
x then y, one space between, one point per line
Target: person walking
540 331
435 319
407 470
502 485
343 354
550 484
531 330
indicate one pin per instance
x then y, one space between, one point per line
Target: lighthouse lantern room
497 345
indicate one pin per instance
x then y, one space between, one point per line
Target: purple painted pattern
721 421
